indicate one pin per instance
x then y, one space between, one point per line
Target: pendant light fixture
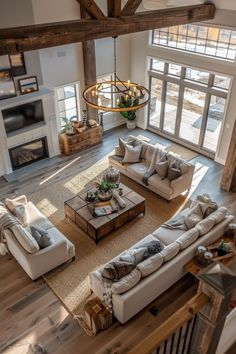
116 95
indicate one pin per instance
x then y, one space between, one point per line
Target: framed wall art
7 85
28 85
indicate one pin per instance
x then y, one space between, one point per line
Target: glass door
187 105
191 117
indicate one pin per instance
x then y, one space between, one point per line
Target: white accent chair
46 259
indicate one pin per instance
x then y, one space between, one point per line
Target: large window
211 41
67 103
106 98
187 103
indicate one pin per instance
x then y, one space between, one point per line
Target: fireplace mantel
49 128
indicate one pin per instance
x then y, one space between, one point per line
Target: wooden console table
80 141
192 268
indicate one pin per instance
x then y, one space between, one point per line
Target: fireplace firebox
29 153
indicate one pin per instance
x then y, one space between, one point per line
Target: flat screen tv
22 116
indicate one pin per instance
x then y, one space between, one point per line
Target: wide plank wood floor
31 313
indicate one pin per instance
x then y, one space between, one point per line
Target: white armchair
45 259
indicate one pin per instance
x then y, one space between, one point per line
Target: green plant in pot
126 102
105 190
68 127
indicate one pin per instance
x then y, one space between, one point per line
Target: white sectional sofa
162 187
148 288
36 264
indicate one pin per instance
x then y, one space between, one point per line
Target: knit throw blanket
6 221
199 209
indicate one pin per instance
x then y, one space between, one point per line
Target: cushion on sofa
173 170
127 282
150 151
115 270
188 238
132 154
205 225
161 185
170 251
137 169
37 218
150 265
41 236
19 210
219 214
25 239
184 165
167 236
162 167
133 255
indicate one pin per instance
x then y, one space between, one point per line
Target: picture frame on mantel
17 62
28 85
7 85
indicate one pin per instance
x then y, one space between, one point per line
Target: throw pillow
127 282
205 225
219 214
162 167
116 270
25 239
188 238
19 210
170 251
41 236
173 171
120 149
133 255
150 264
193 216
132 154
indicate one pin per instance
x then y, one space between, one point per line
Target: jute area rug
70 282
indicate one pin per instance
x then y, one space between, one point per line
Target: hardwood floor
31 313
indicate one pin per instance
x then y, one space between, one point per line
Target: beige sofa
164 188
145 288
46 259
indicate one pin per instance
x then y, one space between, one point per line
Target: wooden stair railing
178 319
205 313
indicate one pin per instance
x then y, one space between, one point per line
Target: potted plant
68 127
126 102
105 189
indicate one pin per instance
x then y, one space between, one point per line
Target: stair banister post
217 282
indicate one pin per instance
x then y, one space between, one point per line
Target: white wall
64 64
20 13
140 50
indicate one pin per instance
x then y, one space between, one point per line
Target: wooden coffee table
77 210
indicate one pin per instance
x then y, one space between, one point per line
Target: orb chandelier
116 95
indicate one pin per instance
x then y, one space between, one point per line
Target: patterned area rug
70 282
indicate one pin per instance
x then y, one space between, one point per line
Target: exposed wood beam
21 39
89 60
130 7
114 8
229 175
91 8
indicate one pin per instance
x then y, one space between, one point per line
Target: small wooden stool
96 316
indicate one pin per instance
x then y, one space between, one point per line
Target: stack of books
105 208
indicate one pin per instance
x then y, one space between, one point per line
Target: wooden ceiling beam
114 8
130 7
92 9
22 39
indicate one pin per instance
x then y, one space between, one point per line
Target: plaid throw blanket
6 221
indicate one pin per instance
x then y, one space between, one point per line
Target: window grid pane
210 41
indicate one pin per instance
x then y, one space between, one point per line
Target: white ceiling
155 4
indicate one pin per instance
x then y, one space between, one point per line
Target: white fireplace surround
48 128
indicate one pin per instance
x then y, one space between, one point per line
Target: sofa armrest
182 183
21 199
